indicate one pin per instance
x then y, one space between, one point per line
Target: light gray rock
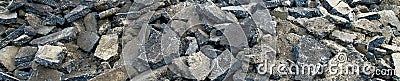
108 47
108 12
36 23
7 57
25 56
344 37
319 27
396 60
263 20
389 18
90 22
199 65
50 56
66 34
221 64
43 74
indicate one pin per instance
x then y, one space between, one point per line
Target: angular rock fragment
319 27
199 65
365 2
90 22
310 51
5 41
341 9
391 48
7 57
336 19
263 20
38 9
108 12
375 42
388 18
50 56
235 36
343 36
77 13
43 74
214 14
6 77
25 56
366 26
170 45
304 12
21 40
180 68
108 47
369 15
36 23
8 17
396 60
48 2
193 46
66 34
238 11
209 51
116 74
329 4
86 40
221 64
53 20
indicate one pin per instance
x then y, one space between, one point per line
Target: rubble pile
219 40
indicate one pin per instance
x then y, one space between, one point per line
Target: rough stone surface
343 36
87 40
65 34
199 65
8 56
50 56
25 56
320 27
108 47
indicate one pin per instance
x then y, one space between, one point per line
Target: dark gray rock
214 14
369 16
66 34
329 4
304 12
365 2
108 47
48 2
5 41
25 56
38 9
91 23
7 57
209 51
238 11
375 42
86 40
263 20
50 56
76 13
53 20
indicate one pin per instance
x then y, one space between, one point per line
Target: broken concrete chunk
7 56
221 64
199 65
263 20
25 56
21 40
76 13
8 17
50 56
396 60
108 12
36 23
116 74
344 37
389 18
108 47
65 34
43 74
90 22
86 40
319 26
341 9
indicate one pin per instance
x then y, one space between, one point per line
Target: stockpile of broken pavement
118 40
